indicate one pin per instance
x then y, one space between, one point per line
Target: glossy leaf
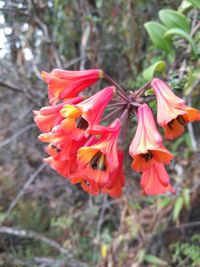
173 19
183 34
156 32
159 66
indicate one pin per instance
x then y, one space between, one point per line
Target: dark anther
98 162
181 120
81 123
57 149
170 124
148 156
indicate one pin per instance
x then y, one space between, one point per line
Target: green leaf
99 3
173 19
188 140
2 217
183 34
177 208
156 32
165 202
159 66
195 3
184 6
186 197
155 260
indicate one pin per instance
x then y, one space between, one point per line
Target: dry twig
31 234
16 135
23 190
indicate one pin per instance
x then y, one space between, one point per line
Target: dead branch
23 190
16 135
38 237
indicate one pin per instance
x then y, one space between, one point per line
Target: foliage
186 253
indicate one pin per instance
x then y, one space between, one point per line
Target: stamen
147 156
181 120
57 149
81 123
98 162
170 124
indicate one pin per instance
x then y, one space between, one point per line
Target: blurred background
44 220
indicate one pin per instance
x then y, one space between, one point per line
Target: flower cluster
85 152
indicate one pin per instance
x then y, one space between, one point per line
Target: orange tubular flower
61 147
116 179
80 118
155 181
114 185
89 185
172 113
48 117
97 161
64 168
64 84
146 146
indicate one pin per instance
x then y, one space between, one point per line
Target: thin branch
11 87
44 262
94 208
142 89
84 41
117 104
23 190
15 136
195 29
74 61
34 235
112 113
18 11
184 225
120 91
44 239
17 90
101 217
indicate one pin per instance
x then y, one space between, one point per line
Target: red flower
116 179
172 113
89 185
48 117
64 84
112 187
64 168
80 118
61 147
146 146
97 160
155 181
